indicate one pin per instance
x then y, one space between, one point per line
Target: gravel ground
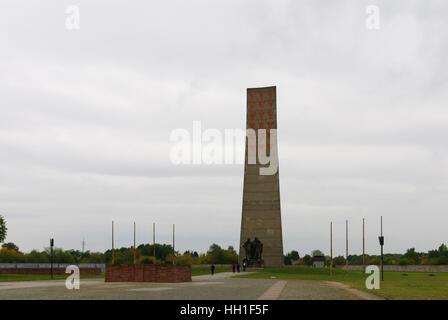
218 287
314 290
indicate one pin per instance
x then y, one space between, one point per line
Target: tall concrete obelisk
261 216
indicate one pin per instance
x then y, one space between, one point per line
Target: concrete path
220 286
273 292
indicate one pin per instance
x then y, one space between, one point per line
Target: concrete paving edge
273 292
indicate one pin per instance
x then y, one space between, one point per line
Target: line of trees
144 253
437 256
10 253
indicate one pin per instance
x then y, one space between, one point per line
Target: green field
201 270
396 285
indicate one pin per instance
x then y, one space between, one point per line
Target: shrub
37 257
146 260
405 262
10 256
339 261
186 259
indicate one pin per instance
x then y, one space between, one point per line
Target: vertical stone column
261 215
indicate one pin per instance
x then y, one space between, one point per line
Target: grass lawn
396 285
33 277
201 270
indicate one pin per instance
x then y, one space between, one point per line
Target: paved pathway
217 287
273 293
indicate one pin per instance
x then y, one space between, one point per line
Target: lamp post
51 257
381 239
346 246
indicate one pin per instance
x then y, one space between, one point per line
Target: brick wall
83 271
147 273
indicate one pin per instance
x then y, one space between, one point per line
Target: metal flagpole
331 248
173 243
363 246
154 241
112 242
134 243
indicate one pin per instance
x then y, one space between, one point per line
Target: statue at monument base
254 251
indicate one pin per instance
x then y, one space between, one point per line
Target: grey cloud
86 118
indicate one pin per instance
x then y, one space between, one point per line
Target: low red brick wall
83 271
147 273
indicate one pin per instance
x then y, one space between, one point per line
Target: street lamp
381 239
51 256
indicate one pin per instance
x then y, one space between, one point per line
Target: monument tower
261 242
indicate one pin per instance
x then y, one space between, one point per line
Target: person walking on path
233 267
212 269
244 265
238 268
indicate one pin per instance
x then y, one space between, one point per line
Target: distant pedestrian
244 265
233 267
212 269
238 268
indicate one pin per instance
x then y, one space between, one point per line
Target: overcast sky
86 115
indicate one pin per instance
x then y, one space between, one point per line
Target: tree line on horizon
10 253
437 256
